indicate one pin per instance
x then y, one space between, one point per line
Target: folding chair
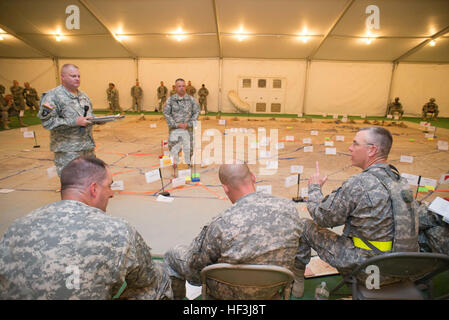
413 270
225 281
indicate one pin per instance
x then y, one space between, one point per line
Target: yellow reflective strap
381 245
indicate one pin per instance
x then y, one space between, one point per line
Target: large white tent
322 51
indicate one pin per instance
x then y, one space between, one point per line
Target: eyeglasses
356 144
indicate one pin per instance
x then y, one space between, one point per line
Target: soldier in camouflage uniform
8 109
173 90
257 229
137 93
394 107
433 232
62 112
364 205
190 90
181 112
31 97
113 98
162 92
203 93
72 249
17 93
430 107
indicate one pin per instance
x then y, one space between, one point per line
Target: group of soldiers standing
429 110
14 104
162 96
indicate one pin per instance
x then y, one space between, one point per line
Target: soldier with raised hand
430 107
72 249
203 93
376 207
191 90
65 111
113 98
162 93
31 97
136 94
257 229
181 113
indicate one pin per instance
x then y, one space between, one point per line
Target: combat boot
298 283
179 288
21 122
5 125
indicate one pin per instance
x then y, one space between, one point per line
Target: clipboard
106 118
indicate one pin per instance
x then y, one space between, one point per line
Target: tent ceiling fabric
271 28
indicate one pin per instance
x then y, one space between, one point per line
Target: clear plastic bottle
321 292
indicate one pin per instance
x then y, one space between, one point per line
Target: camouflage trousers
162 103
63 158
203 104
137 104
337 250
179 271
33 104
114 107
181 139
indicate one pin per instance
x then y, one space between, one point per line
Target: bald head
234 175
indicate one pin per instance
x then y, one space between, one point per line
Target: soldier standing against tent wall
162 93
136 93
113 98
203 93
31 97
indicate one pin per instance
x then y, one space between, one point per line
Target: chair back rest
245 281
410 265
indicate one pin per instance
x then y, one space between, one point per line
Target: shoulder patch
48 105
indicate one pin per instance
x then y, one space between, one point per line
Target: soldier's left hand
316 178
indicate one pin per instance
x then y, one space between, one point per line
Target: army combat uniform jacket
69 250
58 112
364 206
257 229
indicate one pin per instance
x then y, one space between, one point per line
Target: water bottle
321 292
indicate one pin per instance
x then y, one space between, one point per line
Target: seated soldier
72 249
363 204
257 229
395 107
430 107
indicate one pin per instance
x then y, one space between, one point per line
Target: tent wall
292 70
198 71
415 84
40 73
96 75
352 88
348 88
